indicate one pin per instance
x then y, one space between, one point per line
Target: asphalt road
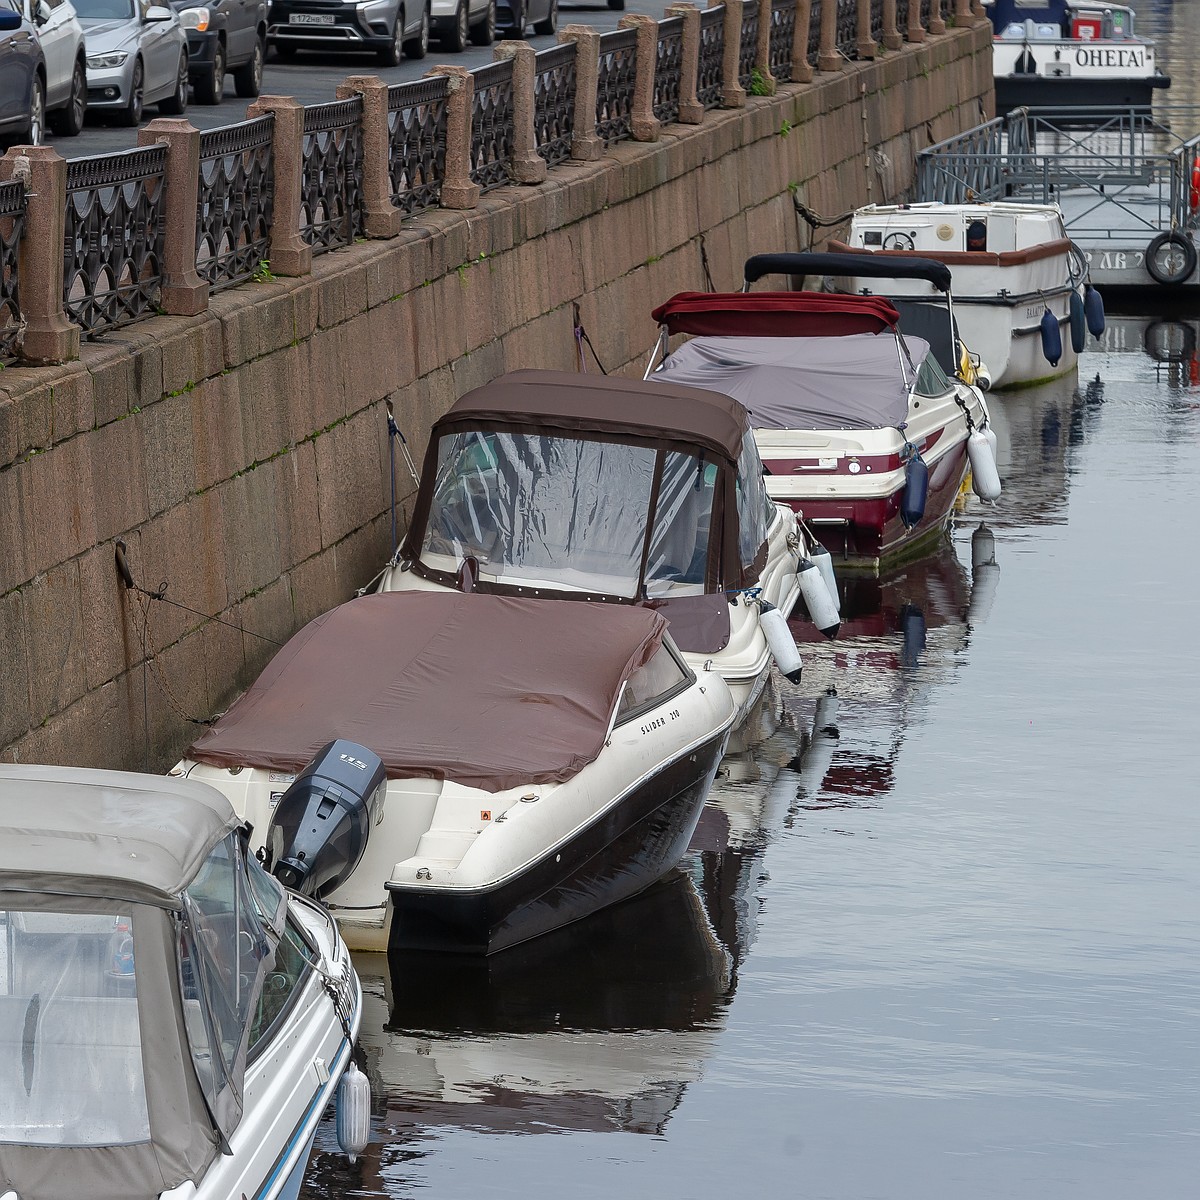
313 78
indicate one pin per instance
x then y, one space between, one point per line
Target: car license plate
310 18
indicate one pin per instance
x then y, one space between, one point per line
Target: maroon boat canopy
775 314
489 691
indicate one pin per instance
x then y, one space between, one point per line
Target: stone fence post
937 23
916 31
963 16
644 124
585 144
762 51
381 217
828 58
184 293
50 336
289 253
891 35
866 43
801 68
733 95
528 165
458 188
691 111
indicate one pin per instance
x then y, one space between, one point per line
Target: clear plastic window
931 379
293 960
682 519
756 510
650 682
70 1039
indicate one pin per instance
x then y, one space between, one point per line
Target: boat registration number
310 18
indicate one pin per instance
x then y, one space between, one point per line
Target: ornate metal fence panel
846 38
783 33
814 32
926 12
235 201
417 142
554 103
712 52
492 124
614 85
668 69
331 203
12 229
113 242
748 45
902 18
877 22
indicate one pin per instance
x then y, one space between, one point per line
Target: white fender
985 576
783 645
824 561
820 605
985 478
353 1112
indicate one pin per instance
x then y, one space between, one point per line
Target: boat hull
1027 91
628 847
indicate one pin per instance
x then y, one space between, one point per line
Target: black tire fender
1189 258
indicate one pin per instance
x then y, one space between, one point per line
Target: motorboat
173 1022
1076 53
463 771
863 414
543 483
1021 291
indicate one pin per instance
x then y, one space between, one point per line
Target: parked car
224 35
392 28
456 22
61 36
22 78
514 15
136 55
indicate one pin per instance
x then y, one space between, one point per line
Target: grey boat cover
859 381
491 692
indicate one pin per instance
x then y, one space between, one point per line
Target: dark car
224 36
22 78
513 16
391 28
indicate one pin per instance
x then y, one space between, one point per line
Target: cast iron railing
748 45
614 85
234 201
783 33
113 238
417 142
331 201
554 103
712 53
902 18
814 32
492 124
877 22
12 229
668 68
926 13
846 37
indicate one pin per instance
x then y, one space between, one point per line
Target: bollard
289 253
643 123
528 166
691 111
733 95
458 189
585 145
381 217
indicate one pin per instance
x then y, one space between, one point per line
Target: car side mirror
156 12
42 13
9 20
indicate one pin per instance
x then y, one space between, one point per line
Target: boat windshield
70 1040
570 514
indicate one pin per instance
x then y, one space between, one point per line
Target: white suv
61 36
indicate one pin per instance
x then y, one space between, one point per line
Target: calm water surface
939 936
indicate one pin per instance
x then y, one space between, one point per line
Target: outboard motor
320 826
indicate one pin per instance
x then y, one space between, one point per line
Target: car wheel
391 54
210 89
550 24
457 36
519 19
131 114
176 103
418 47
248 77
35 132
484 34
67 122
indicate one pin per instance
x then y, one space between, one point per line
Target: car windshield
104 10
567 514
70 1040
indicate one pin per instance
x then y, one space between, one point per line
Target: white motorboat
550 484
173 1023
1077 53
1012 264
863 413
495 766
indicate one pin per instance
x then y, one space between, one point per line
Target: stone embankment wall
241 455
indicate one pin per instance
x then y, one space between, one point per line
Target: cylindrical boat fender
912 635
824 561
783 645
353 1111
1093 309
1078 323
985 479
821 609
916 490
1051 338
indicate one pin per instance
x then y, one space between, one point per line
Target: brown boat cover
491 692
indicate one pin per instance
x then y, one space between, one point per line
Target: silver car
136 55
61 36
